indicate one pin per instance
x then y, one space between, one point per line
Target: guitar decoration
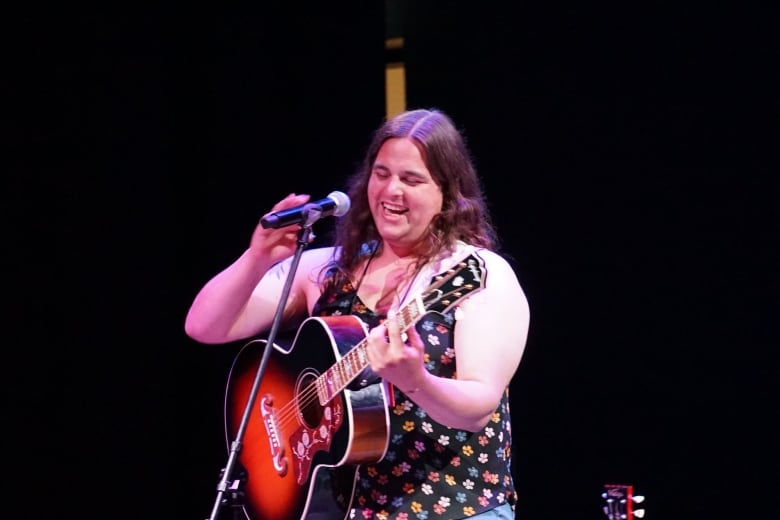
309 428
619 500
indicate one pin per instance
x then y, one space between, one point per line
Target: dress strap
356 287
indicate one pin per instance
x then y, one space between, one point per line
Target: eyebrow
413 173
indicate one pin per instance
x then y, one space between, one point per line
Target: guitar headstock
619 501
451 286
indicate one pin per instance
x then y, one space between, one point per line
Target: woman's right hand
277 244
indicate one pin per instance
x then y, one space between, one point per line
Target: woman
417 210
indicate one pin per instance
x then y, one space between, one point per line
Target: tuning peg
638 499
639 513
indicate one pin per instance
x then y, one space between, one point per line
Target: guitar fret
338 377
342 376
326 393
320 384
360 351
353 361
408 315
403 319
336 380
416 309
328 386
335 383
325 387
333 387
359 358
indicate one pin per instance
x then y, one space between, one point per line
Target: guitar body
301 454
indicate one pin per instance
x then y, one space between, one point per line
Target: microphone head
342 203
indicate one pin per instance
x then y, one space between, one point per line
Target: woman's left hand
395 356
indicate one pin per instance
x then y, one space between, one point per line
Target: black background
627 157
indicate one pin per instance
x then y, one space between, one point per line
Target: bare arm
241 300
490 336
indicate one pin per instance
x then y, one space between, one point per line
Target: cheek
436 202
372 189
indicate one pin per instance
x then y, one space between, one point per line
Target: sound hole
309 409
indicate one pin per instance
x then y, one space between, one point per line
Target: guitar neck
334 380
447 289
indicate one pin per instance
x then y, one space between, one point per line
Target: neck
390 259
397 252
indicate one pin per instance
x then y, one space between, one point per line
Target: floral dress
430 471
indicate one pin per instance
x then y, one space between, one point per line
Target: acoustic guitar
309 428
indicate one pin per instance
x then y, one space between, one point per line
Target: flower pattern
430 471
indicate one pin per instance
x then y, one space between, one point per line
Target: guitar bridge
276 445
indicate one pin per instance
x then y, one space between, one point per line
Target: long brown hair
464 214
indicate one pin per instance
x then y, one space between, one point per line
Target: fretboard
345 370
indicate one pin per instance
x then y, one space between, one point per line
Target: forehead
400 152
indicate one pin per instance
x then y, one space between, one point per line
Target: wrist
419 386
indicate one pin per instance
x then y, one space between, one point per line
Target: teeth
395 209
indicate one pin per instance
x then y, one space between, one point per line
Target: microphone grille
342 203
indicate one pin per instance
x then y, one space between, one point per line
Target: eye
411 180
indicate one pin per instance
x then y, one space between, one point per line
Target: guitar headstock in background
619 501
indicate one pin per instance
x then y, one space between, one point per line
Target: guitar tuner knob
639 513
638 499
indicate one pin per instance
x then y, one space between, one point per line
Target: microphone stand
305 235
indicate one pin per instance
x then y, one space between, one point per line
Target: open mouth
394 210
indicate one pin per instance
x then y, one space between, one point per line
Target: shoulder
494 262
498 273
319 255
310 265
486 267
490 261
315 261
501 291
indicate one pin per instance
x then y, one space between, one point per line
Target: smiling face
402 194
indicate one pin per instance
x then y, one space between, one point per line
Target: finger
293 199
377 345
394 323
415 342
378 333
413 336
391 324
396 338
393 320
290 201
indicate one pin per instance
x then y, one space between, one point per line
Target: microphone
336 204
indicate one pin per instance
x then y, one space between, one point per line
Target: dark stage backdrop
145 146
624 157
626 152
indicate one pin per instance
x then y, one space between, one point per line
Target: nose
394 185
